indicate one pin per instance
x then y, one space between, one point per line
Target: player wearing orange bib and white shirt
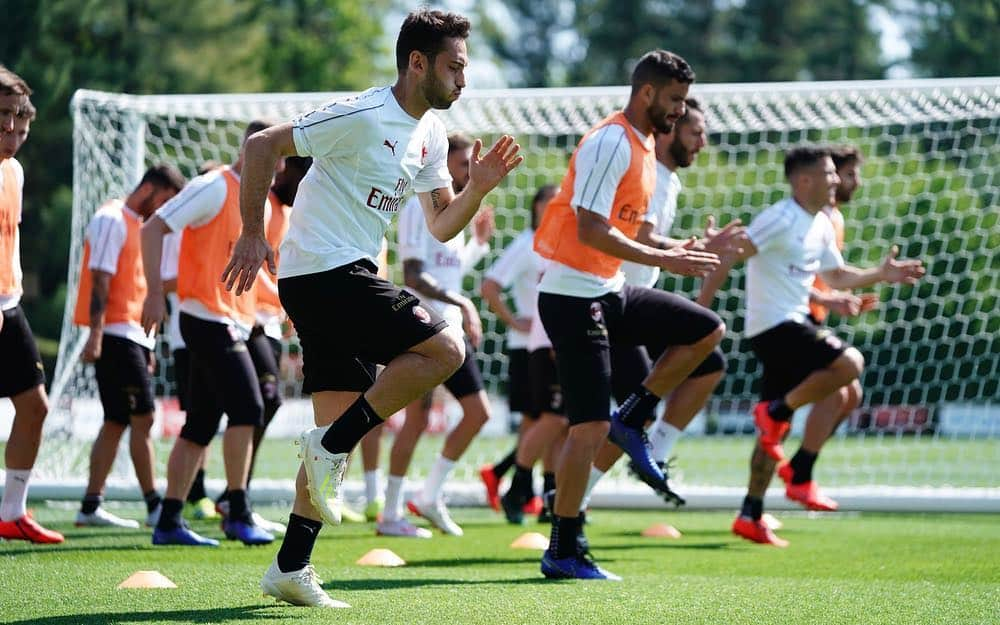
22 377
369 154
109 303
215 325
586 307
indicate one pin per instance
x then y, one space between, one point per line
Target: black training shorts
123 379
790 351
20 364
519 382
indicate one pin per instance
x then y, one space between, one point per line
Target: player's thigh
546 392
630 364
519 381
124 383
467 379
659 320
20 363
792 351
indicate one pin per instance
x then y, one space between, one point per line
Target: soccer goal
928 433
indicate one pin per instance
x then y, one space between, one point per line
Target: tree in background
524 34
953 38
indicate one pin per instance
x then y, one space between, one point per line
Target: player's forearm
604 237
849 278
452 217
260 154
713 282
424 283
491 292
170 285
151 242
99 299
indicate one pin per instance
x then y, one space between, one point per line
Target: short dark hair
458 141
539 194
690 104
802 157
163 176
845 155
659 67
256 126
12 84
425 30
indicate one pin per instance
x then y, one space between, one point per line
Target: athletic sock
522 484
152 499
562 543
15 494
436 478
636 409
548 481
239 506
753 507
802 466
595 476
197 492
779 410
297 546
170 514
662 437
393 498
501 468
344 433
91 502
372 485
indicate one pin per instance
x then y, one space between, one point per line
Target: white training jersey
793 245
519 268
369 155
10 300
445 262
169 260
106 235
662 212
604 156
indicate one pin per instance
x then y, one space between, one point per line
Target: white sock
436 479
595 477
662 437
371 485
15 495
393 498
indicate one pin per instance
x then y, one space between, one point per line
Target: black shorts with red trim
790 352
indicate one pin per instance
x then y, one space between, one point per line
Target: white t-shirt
662 212
106 234
792 247
601 161
369 155
519 268
13 299
445 262
169 260
197 204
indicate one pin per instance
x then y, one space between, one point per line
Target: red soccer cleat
534 505
26 528
772 431
492 484
809 496
757 531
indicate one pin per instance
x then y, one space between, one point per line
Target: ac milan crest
596 312
420 313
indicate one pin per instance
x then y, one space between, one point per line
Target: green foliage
951 38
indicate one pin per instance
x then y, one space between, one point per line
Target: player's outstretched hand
484 225
685 260
249 253
486 171
726 241
905 271
154 310
92 348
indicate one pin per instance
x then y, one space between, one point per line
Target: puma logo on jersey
391 146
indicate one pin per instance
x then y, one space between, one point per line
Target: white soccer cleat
103 518
324 474
437 514
300 587
402 528
271 527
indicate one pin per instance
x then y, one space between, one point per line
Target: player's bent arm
419 280
492 292
714 281
151 241
647 236
100 289
849 277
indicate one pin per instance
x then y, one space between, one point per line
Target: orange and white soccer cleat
757 531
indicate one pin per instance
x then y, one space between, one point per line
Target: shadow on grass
450 562
214 615
662 544
342 585
56 551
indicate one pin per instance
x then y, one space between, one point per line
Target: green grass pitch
840 568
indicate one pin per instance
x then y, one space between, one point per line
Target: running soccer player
215 324
586 307
369 153
788 244
435 270
519 269
22 377
109 304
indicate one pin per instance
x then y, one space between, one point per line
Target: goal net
927 433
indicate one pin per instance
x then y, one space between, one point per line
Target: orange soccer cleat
772 431
492 484
757 531
806 493
26 528
533 506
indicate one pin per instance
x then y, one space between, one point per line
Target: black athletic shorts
348 320
223 380
123 379
182 376
468 379
265 352
790 351
519 382
20 364
583 329
546 394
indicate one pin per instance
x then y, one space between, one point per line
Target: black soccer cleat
662 488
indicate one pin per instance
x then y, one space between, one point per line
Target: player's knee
141 425
852 363
713 338
31 406
854 395
449 350
590 434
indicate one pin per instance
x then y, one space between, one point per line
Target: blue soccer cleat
633 442
247 533
576 566
182 535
